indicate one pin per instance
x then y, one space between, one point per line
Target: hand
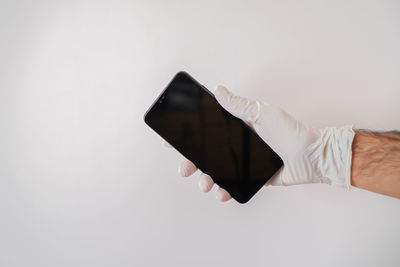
309 155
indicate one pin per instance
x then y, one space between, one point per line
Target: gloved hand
309 155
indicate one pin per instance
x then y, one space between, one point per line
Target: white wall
83 181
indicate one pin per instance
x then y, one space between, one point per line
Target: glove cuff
333 154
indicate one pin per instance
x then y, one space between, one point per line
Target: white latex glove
309 155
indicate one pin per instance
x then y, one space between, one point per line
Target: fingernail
202 185
166 144
221 89
218 196
182 171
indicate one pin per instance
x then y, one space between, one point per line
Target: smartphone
188 117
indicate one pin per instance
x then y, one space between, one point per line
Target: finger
222 195
271 123
186 168
206 183
241 107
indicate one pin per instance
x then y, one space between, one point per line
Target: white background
83 181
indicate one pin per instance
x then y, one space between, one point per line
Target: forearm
376 162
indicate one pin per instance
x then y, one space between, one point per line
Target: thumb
240 107
275 126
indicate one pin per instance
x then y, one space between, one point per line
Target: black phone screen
188 117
